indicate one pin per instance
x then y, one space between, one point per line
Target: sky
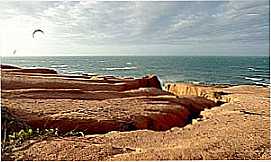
73 28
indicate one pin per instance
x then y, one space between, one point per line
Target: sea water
197 69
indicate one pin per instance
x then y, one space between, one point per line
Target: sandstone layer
56 101
140 119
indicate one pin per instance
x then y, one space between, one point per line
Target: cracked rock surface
141 121
52 101
224 133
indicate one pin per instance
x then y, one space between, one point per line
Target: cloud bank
138 28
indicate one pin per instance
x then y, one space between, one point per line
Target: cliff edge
133 119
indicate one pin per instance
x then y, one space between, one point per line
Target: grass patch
17 135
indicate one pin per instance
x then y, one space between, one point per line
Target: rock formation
139 120
55 101
210 92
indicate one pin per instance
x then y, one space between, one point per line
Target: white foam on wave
253 69
196 82
128 63
250 68
59 66
253 79
263 76
260 83
76 72
121 68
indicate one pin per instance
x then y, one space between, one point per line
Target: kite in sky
35 31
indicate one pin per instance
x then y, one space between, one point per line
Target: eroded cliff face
239 129
48 100
210 92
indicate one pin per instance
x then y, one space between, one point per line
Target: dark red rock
9 67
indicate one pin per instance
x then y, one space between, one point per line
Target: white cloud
132 25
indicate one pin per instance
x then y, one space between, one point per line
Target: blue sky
135 28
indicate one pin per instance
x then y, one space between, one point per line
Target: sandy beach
131 118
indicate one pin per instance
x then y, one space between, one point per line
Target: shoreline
222 85
163 82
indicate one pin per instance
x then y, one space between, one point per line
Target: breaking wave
250 68
253 69
120 68
253 79
59 66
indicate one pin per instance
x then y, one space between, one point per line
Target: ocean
197 69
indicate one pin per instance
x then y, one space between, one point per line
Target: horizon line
140 56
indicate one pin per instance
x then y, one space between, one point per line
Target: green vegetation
20 140
17 135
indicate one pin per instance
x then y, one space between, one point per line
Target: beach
126 118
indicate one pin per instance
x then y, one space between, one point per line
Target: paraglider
35 31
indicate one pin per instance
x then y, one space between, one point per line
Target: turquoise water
200 69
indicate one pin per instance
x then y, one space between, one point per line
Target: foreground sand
148 117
